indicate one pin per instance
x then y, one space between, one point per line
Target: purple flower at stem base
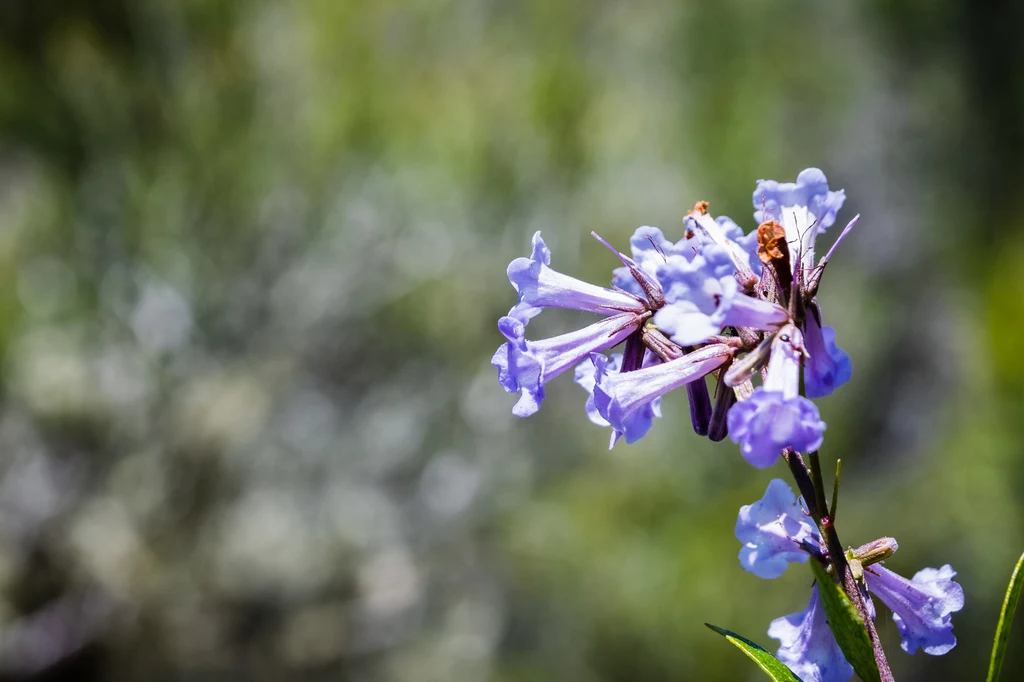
921 607
807 645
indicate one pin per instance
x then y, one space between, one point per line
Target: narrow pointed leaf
835 491
847 625
772 666
1005 621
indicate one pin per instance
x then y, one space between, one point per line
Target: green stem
842 567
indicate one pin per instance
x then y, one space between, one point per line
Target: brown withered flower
771 241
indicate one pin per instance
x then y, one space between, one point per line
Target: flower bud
875 551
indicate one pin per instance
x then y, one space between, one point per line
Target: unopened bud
700 406
873 552
725 398
660 344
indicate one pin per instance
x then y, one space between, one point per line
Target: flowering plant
735 306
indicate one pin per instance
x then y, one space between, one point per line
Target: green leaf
1005 621
774 668
847 625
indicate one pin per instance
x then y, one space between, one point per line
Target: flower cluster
717 301
775 532
736 306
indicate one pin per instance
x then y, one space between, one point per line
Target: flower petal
541 287
768 422
650 249
702 296
617 395
810 190
807 645
583 375
784 365
921 607
747 242
723 233
525 366
773 530
637 423
805 208
828 366
740 310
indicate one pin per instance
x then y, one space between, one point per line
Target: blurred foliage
251 257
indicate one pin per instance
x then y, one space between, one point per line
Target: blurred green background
252 254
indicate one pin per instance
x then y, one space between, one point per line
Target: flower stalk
842 568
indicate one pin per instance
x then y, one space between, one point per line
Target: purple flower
617 395
776 416
805 209
746 241
774 532
702 296
921 607
525 366
650 249
541 287
767 423
640 421
807 645
726 234
828 366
